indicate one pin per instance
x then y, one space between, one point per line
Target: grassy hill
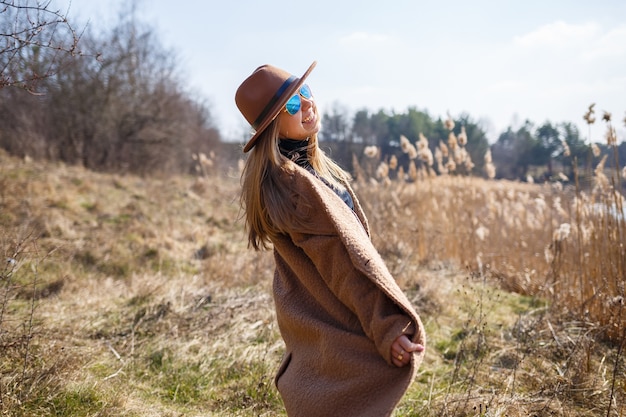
129 296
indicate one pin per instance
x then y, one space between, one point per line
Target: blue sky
501 62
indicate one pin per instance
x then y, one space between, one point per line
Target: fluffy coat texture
338 309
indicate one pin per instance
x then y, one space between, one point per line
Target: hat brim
278 106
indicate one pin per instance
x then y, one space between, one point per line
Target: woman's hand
401 350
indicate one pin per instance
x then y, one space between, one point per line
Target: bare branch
34 41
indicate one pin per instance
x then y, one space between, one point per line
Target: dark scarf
295 150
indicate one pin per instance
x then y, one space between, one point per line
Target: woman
353 341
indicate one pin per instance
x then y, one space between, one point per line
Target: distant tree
336 125
35 41
548 146
573 151
418 121
516 151
502 153
362 128
410 124
385 130
414 123
379 123
513 152
477 143
571 135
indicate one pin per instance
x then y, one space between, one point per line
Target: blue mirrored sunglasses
293 104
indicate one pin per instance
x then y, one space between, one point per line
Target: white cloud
364 38
507 87
589 41
610 44
559 34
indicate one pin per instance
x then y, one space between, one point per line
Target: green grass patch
79 402
219 385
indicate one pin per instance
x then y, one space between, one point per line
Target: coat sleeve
330 237
381 319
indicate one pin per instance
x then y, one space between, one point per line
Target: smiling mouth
308 119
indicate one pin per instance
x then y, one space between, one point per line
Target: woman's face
302 124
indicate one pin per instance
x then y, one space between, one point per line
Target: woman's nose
306 102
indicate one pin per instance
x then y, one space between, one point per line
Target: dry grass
133 297
548 240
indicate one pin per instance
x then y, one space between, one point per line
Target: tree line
115 101
386 131
529 152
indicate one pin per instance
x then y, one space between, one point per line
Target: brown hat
263 94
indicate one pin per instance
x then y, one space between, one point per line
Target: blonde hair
264 196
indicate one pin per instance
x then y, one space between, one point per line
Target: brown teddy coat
338 310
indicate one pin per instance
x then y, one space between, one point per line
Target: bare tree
34 40
126 111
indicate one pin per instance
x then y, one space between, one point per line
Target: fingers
407 345
401 350
414 347
400 357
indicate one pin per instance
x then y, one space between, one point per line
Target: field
129 296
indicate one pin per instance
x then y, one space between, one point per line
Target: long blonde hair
264 196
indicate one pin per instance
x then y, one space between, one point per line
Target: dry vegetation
123 296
